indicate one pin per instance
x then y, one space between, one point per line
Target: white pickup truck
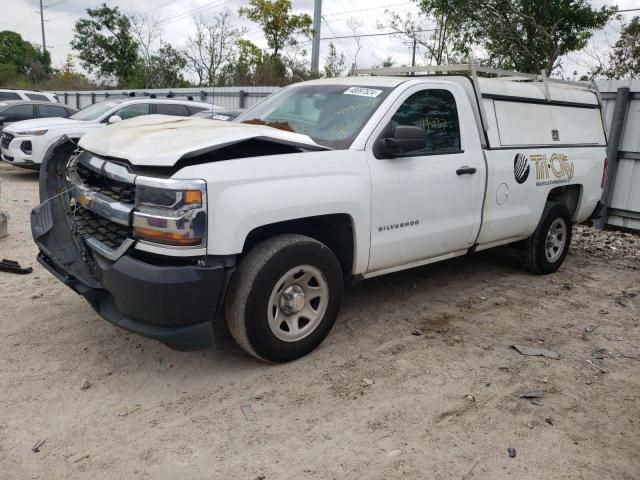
164 224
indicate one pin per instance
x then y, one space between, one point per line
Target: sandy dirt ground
416 380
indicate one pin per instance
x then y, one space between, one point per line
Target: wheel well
335 231
569 195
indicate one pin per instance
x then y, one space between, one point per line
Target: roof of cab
488 86
364 81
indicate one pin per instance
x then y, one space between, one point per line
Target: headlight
31 133
171 212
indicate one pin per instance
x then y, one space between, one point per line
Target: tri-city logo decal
550 169
521 168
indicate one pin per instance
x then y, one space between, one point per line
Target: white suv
14 94
24 144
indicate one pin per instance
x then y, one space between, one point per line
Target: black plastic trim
550 145
539 101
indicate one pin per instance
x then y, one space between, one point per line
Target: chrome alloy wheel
556 240
297 303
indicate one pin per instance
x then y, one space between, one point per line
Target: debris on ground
607 244
511 452
246 411
4 221
549 420
37 446
597 367
589 328
85 384
11 266
470 398
536 352
533 394
367 382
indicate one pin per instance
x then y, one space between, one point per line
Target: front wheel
284 298
545 250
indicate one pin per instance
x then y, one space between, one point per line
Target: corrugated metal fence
623 198
621 99
226 97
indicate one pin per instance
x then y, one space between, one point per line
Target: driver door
427 203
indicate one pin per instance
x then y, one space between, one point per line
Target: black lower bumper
175 305
166 298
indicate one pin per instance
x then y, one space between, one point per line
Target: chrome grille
118 191
6 138
88 224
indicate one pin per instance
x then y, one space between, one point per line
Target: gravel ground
417 379
609 245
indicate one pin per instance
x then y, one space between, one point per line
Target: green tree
212 47
9 76
279 25
525 35
334 64
624 58
67 78
167 65
434 40
28 60
242 69
106 45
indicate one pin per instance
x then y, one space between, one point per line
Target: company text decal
553 169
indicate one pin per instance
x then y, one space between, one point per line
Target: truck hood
49 124
162 140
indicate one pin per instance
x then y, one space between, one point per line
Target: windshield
95 111
332 115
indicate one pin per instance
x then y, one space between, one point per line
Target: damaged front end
133 246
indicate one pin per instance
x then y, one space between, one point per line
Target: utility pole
315 47
413 55
44 43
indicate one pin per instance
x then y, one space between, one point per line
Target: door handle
466 170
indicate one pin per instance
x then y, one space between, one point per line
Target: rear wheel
545 250
284 298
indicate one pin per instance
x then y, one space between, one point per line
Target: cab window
9 96
37 96
172 109
18 113
52 111
131 111
435 111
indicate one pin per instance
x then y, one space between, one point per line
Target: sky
176 16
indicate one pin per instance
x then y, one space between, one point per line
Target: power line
200 9
379 34
159 7
54 4
24 20
332 31
78 11
367 9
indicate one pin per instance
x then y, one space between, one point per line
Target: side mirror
114 119
2 120
400 140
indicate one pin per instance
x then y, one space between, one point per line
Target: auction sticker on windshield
363 92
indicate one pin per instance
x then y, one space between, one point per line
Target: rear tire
545 250
284 298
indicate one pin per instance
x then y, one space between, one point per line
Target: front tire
545 250
284 298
